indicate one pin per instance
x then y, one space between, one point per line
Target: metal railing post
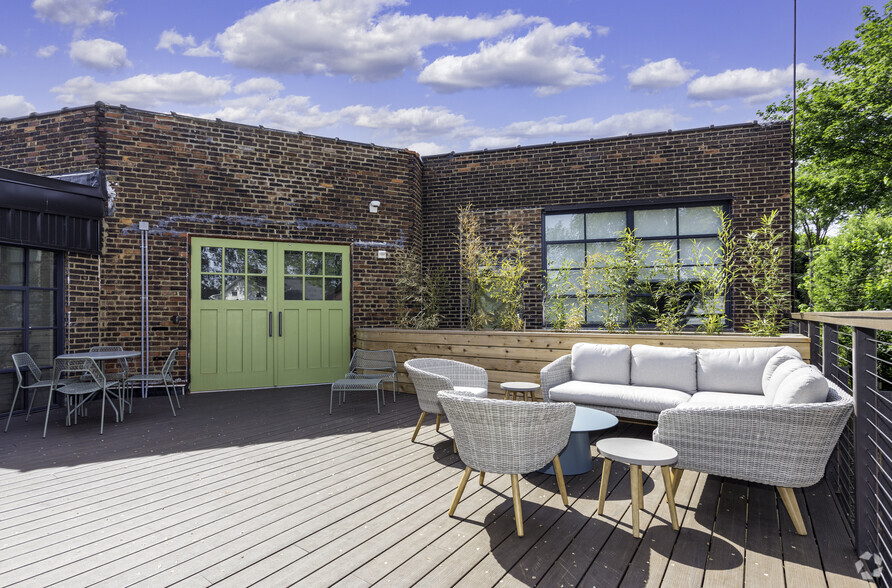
830 362
864 385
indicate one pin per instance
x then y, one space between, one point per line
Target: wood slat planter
518 356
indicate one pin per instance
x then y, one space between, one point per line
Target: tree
854 270
844 130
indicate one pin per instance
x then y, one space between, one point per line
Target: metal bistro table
101 357
576 458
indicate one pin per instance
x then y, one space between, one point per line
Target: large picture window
687 230
30 312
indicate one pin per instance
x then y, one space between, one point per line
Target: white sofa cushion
785 353
782 371
471 391
664 367
597 362
733 370
726 399
641 398
802 386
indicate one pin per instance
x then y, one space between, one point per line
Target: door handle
270 323
280 323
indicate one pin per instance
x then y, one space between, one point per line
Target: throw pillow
803 386
597 362
780 373
778 358
664 367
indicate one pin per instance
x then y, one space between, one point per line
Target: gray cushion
641 398
782 371
664 367
733 370
778 358
471 391
802 386
726 399
596 362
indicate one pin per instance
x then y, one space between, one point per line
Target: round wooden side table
512 388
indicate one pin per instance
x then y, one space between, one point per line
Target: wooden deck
264 487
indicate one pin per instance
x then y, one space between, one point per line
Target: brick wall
194 177
749 163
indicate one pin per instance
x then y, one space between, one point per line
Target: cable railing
854 350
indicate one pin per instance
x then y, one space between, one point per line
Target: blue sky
432 76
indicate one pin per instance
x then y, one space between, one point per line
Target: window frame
26 329
723 201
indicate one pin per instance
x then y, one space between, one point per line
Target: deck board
265 487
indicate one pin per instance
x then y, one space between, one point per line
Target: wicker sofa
755 414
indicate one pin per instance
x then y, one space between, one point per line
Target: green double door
268 314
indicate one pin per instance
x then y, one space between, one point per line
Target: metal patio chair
25 361
77 392
165 378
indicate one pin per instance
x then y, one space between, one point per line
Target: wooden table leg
635 474
605 475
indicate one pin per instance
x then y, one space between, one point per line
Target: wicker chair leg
670 495
605 476
789 499
439 416
461 488
518 511
418 426
481 478
559 474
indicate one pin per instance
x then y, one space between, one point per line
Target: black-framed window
31 312
569 236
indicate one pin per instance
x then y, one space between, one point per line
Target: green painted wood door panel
268 314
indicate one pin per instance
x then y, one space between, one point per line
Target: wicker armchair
508 437
786 446
430 375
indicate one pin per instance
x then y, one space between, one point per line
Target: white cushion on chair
598 362
802 386
779 374
470 391
733 370
785 354
664 367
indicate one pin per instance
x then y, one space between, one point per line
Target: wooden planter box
519 355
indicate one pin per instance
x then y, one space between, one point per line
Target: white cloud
289 113
145 91
265 86
171 39
203 50
657 75
750 83
427 148
48 51
556 128
3 50
80 13
361 38
12 106
544 58
602 31
99 54
416 122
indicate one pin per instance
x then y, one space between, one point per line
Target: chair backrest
382 360
505 436
457 372
82 366
168 363
24 360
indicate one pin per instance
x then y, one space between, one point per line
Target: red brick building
216 196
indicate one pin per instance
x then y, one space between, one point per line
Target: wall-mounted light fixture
373 206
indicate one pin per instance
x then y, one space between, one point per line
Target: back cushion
664 367
783 370
805 385
733 370
596 362
778 358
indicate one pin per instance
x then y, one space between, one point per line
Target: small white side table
637 453
512 388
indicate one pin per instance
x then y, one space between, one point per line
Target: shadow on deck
266 487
